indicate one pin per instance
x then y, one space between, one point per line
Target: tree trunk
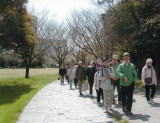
27 71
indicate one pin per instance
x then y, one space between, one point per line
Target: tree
86 31
17 31
135 28
80 56
59 44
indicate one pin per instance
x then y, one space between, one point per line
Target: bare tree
86 31
80 56
60 46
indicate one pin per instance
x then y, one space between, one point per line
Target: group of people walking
105 76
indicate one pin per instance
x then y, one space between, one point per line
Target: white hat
115 57
80 62
149 60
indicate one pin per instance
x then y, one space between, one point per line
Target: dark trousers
91 81
117 84
127 96
75 83
150 91
99 94
62 79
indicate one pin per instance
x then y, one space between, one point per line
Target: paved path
58 104
143 112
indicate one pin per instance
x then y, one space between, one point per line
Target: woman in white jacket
97 84
105 76
149 80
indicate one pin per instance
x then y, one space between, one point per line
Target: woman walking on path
62 73
75 80
149 80
80 76
91 70
128 76
97 84
105 76
71 75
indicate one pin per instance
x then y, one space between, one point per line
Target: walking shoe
114 101
124 109
129 113
149 101
120 102
81 94
106 111
152 101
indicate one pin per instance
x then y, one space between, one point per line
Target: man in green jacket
128 76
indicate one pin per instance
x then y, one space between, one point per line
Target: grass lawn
16 73
15 93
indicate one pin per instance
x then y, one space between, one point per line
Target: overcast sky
60 9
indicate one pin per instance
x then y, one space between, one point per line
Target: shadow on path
155 104
139 117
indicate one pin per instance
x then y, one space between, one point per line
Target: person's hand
107 76
126 79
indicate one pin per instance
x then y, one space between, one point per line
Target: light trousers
71 83
108 96
80 86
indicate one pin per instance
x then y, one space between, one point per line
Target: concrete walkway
143 112
57 104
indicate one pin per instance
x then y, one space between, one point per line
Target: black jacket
90 72
62 71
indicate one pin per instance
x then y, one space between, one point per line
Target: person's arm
76 73
59 71
100 77
68 72
143 76
120 73
155 77
96 80
112 73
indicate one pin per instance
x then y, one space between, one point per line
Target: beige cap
149 60
115 57
80 62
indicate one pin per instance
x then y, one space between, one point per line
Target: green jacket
128 71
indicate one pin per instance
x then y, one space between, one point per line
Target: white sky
60 8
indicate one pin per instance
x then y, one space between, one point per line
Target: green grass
17 73
138 84
119 119
15 93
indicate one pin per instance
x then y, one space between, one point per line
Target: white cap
80 62
149 60
115 57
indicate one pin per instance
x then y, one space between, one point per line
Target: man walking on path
128 76
62 73
80 76
116 82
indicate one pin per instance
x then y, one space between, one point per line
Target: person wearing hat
80 76
114 65
91 70
105 75
149 80
128 75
